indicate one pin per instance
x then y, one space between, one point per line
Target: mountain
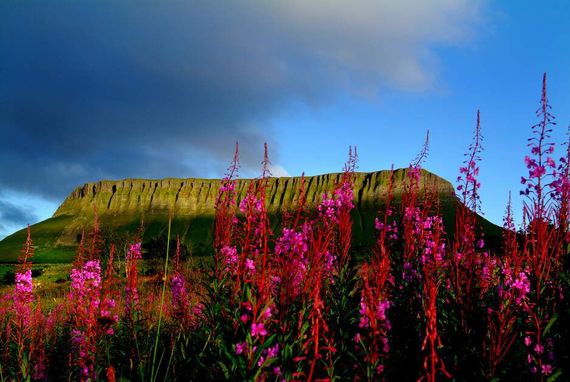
122 204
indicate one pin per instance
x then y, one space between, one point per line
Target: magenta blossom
258 330
134 251
241 348
546 369
230 256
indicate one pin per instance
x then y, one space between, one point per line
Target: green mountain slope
121 205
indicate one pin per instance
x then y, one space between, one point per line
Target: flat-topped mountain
122 204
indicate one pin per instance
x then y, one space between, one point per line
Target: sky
93 90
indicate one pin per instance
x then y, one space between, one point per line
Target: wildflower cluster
179 290
293 296
85 296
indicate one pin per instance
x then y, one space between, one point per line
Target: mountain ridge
122 204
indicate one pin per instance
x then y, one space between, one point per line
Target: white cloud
278 171
370 43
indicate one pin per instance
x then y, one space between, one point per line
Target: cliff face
121 205
193 197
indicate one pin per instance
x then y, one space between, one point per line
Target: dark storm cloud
15 216
92 90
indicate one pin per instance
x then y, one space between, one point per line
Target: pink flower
546 369
251 201
537 172
272 352
539 349
241 348
249 264
362 310
86 301
230 256
180 303
382 307
266 314
329 263
24 282
344 196
414 173
227 186
378 224
134 251
291 241
364 322
521 285
527 341
258 330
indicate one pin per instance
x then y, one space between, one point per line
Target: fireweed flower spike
23 299
345 204
108 315
132 301
244 260
540 164
468 265
432 265
544 243
374 325
411 210
512 288
178 287
86 299
224 221
414 169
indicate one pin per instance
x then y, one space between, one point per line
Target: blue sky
109 90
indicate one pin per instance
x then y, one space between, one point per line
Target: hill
122 204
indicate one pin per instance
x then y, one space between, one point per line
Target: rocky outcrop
188 197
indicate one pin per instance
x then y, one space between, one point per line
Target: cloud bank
94 89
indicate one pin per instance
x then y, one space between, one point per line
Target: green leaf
224 369
555 376
549 326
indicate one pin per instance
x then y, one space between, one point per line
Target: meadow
295 302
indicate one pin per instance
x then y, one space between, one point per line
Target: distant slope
122 204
